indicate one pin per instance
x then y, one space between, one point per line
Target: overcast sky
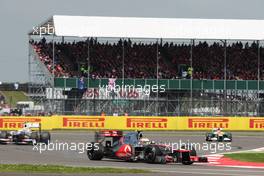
17 17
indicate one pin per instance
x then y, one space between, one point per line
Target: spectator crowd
140 59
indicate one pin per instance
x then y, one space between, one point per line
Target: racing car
133 147
30 134
218 135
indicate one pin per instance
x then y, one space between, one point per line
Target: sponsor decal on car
89 122
256 123
205 123
16 122
148 123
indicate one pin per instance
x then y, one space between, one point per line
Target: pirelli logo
256 123
208 123
83 122
148 123
16 122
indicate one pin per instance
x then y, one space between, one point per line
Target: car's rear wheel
96 153
45 137
208 137
187 162
229 135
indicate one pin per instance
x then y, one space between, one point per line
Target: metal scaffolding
173 102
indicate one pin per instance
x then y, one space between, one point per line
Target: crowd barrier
137 123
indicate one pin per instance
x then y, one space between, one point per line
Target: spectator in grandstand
2 99
140 60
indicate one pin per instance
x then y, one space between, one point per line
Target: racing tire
152 154
96 154
207 137
3 134
187 162
44 137
192 153
229 135
34 135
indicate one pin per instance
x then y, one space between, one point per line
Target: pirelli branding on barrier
136 123
256 123
14 123
147 123
208 123
80 122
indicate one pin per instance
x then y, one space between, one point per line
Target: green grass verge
12 97
27 168
249 157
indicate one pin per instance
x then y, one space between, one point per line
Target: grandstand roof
167 28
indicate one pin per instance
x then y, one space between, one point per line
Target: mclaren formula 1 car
217 135
133 147
30 134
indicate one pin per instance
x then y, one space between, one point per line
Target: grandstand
183 66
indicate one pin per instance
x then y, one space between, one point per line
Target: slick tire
152 154
96 153
3 134
44 137
187 162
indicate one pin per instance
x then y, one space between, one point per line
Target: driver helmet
144 141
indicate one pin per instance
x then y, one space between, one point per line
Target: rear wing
110 133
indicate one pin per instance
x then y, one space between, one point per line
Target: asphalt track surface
22 154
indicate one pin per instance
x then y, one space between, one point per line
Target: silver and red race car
133 147
30 134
